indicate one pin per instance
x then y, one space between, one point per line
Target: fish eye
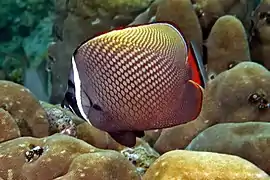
70 97
70 102
97 107
71 84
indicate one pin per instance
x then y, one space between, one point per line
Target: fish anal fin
125 138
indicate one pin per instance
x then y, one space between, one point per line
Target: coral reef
209 11
142 156
260 33
76 158
58 119
188 165
21 104
9 127
43 141
224 53
248 140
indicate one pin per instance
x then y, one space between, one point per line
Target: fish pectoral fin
126 138
192 100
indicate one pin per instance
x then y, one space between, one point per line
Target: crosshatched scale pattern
137 75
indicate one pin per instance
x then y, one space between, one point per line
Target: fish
136 78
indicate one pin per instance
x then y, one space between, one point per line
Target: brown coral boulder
250 140
209 11
8 126
181 13
24 109
178 137
151 136
96 137
100 166
226 99
227 45
59 153
260 42
141 155
191 165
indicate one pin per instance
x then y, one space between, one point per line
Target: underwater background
230 139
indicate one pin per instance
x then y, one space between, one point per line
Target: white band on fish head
77 83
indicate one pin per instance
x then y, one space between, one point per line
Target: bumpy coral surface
191 165
227 45
209 11
100 166
58 119
250 140
20 103
141 156
260 34
8 126
63 157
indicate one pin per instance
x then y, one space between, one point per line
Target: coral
178 137
58 119
63 156
191 165
226 99
100 166
141 156
181 13
8 126
248 140
20 103
96 137
151 136
223 52
142 18
260 41
209 11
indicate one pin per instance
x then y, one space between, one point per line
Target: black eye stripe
70 98
71 84
97 107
